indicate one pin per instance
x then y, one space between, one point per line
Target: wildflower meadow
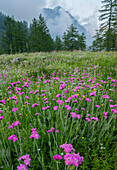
58 111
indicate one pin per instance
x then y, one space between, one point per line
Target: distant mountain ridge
58 20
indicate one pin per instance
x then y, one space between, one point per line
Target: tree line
16 37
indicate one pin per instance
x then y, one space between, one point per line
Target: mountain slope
58 20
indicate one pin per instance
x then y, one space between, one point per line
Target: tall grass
84 81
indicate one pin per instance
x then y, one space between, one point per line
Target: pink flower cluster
73 114
34 134
67 107
93 93
22 167
57 157
71 158
14 109
16 123
51 130
44 108
55 107
60 102
67 148
26 161
13 138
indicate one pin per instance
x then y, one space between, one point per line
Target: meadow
58 111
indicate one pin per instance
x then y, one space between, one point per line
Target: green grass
96 141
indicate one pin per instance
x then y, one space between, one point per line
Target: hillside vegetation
55 105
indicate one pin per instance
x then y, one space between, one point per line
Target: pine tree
33 36
40 38
20 37
2 19
108 19
58 43
97 44
7 35
14 36
72 40
45 41
81 40
106 36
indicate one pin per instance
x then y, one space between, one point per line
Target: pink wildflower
1 117
55 107
57 157
57 131
14 109
22 167
88 114
35 104
59 102
68 159
78 116
13 138
87 119
26 97
36 113
77 159
97 106
93 93
10 127
49 131
94 118
16 123
105 113
34 134
73 114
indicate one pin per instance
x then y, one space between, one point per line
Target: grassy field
56 105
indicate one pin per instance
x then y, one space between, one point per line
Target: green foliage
39 37
58 44
106 36
95 141
14 36
2 19
72 40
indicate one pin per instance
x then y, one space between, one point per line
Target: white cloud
59 24
91 22
28 9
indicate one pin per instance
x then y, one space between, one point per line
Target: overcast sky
28 9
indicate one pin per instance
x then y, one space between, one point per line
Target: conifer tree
58 43
72 40
14 36
108 26
81 40
40 38
8 35
34 36
20 37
